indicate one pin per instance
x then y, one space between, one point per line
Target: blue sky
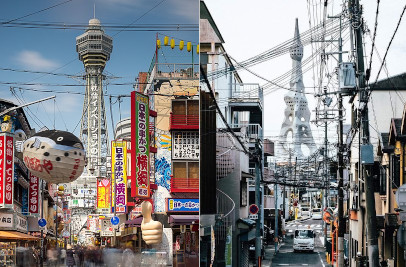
53 50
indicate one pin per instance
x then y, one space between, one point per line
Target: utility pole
258 160
294 192
275 235
340 178
327 182
373 252
42 231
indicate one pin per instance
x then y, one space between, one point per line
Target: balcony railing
184 185
177 71
184 122
247 92
252 130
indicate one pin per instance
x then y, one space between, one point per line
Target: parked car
305 211
316 214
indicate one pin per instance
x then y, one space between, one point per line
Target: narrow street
287 257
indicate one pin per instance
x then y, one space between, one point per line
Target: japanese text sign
6 170
140 145
119 175
182 205
33 195
103 193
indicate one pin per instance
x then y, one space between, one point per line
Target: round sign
254 209
115 220
66 234
42 222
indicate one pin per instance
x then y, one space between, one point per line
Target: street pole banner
229 247
6 170
119 175
103 193
33 199
140 144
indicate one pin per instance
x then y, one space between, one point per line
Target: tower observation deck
94 48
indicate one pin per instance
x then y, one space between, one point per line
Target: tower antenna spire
94 10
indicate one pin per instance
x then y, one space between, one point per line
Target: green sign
229 247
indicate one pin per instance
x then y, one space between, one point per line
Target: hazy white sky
252 27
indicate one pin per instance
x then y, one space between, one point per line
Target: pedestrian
128 258
63 255
70 260
52 256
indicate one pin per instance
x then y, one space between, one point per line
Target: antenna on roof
94 10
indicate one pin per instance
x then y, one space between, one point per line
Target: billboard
6 170
33 195
182 205
140 145
119 175
103 193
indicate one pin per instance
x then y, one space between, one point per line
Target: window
185 107
395 166
382 187
184 169
243 196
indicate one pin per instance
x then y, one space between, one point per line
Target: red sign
2 166
140 176
8 170
253 209
33 195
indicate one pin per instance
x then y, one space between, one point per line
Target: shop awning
12 235
183 219
135 222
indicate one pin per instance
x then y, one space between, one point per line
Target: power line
36 12
390 42
219 111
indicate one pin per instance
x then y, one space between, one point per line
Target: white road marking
283 264
321 260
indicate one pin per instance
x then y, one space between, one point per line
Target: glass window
302 234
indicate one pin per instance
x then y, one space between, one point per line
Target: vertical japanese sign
140 144
66 212
7 170
33 198
103 193
119 175
2 167
229 247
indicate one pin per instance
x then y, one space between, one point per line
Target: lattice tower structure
297 114
94 48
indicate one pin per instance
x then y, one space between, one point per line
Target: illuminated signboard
182 205
119 175
140 144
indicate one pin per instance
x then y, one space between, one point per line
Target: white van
305 211
304 240
316 214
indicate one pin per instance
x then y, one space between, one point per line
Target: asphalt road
286 256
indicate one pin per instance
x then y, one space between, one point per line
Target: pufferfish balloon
54 156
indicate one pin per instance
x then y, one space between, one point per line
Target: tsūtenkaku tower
94 48
297 114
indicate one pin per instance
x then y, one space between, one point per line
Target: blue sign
115 220
182 205
24 202
42 222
